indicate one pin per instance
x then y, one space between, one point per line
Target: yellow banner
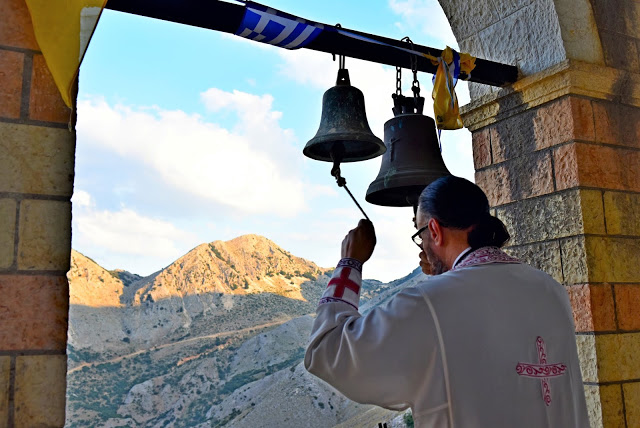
63 29
445 100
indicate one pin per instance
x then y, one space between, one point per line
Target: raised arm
382 358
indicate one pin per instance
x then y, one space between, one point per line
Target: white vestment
490 343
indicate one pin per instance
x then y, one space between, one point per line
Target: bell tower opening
201 230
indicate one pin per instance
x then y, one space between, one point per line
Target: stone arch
559 150
533 35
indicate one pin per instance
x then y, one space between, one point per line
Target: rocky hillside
95 309
214 339
245 265
220 286
92 285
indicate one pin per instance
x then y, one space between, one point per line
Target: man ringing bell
486 341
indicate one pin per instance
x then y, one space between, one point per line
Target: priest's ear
435 231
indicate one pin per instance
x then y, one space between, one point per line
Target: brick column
559 157
36 182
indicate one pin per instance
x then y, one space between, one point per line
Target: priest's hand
424 264
360 242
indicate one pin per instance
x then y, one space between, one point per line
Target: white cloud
347 212
425 16
253 168
322 190
457 153
82 199
307 67
126 239
127 232
395 255
462 92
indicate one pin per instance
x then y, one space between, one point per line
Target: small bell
344 134
412 160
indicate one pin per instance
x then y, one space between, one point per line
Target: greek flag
267 25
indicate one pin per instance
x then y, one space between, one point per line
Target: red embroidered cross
343 282
542 370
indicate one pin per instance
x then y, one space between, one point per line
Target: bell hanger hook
343 73
407 105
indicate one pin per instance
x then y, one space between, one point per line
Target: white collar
460 256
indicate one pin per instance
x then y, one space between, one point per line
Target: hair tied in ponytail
488 232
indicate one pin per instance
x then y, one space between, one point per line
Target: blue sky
187 135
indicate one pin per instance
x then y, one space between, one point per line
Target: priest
485 341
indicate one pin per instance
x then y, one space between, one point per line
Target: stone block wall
563 173
619 29
558 153
36 182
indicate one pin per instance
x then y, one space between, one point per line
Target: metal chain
413 60
415 86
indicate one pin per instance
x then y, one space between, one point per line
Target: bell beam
226 17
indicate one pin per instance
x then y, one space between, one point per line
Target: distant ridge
243 265
118 310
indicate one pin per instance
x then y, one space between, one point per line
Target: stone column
558 153
559 157
36 183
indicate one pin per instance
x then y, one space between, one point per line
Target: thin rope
335 171
356 202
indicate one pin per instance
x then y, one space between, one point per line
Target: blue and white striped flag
267 25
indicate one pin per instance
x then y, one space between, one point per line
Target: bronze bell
344 134
412 160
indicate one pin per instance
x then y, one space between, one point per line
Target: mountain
127 278
245 265
92 285
214 339
220 286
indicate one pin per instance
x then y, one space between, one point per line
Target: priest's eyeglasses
417 238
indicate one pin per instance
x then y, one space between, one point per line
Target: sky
187 136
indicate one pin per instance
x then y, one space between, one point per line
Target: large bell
412 161
344 134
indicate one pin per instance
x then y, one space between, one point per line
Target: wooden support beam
226 17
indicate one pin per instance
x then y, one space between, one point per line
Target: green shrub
216 252
408 419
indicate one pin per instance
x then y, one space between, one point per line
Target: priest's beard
436 263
